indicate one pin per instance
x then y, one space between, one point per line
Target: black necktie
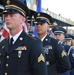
10 42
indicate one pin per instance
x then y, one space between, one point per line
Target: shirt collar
16 36
43 38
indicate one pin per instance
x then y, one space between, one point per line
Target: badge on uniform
46 49
63 53
50 47
21 48
19 54
41 58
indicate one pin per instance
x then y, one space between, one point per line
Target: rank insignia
41 58
21 48
63 53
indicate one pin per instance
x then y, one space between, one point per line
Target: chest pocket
19 59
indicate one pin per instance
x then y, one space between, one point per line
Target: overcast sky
63 7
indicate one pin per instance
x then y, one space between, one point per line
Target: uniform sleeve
63 62
37 58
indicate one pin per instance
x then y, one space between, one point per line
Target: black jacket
25 57
56 58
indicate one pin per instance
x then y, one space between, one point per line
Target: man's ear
48 26
23 19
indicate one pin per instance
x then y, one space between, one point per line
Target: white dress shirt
16 36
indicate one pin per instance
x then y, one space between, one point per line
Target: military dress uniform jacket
56 58
25 57
71 56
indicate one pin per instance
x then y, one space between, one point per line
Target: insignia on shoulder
41 58
30 35
63 53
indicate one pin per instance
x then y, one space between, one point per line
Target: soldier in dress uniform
57 60
20 54
59 33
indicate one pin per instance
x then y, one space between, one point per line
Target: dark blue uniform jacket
25 57
56 58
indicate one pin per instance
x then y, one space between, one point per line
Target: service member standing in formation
68 41
57 60
23 55
59 33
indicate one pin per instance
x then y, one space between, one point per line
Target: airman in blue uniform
59 33
68 40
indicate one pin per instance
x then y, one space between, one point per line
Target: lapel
6 44
18 42
4 47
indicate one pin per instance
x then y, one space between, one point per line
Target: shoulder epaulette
31 36
50 36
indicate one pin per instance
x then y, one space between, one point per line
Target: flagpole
38 5
38 10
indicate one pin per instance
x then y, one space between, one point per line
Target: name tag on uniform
21 48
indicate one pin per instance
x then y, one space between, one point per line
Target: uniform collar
43 38
16 36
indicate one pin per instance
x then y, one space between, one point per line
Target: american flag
5 31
